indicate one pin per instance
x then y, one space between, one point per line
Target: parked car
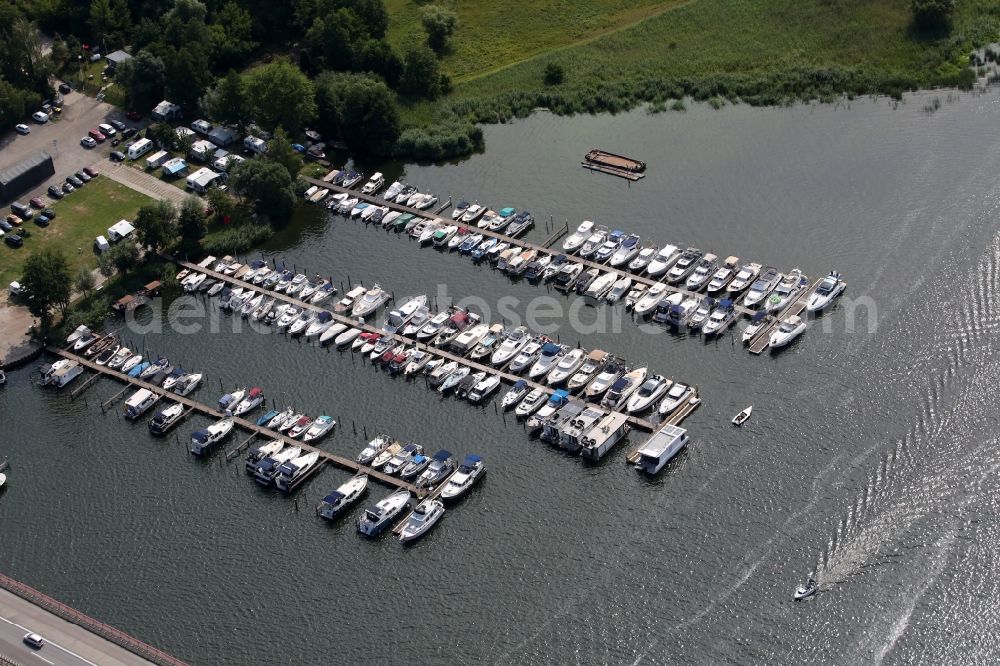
117 156
129 132
107 130
14 220
5 225
117 124
34 640
49 213
13 240
22 129
42 221
97 135
67 188
82 176
87 142
134 115
64 88
74 181
55 192
91 171
37 203
40 117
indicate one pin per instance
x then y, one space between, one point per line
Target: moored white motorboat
402 315
790 286
663 260
650 299
421 520
617 396
513 342
576 240
338 501
318 428
470 471
203 440
377 518
676 396
830 288
374 183
531 403
648 393
743 279
787 331
762 286
373 449
566 367
295 471
372 300
515 394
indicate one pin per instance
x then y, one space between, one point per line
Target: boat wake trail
944 466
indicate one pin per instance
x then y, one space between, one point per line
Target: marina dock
526 245
475 366
761 341
325 456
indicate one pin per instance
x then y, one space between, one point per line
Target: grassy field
80 217
618 53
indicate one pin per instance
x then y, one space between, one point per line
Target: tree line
287 63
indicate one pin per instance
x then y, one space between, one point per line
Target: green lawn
616 53
80 218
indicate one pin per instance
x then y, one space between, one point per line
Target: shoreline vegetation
415 80
762 53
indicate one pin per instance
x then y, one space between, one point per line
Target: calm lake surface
871 456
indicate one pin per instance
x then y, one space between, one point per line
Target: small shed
116 58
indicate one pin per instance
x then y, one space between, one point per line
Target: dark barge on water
616 165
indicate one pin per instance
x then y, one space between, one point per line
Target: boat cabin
573 432
602 437
140 401
660 448
552 427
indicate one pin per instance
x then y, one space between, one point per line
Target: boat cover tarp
442 455
334 497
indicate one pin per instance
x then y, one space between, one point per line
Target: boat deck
475 366
249 426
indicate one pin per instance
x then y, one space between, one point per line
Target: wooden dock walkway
621 271
249 426
761 341
436 351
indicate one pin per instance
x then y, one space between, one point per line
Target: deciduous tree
47 280
279 95
156 225
421 76
359 109
440 24
191 218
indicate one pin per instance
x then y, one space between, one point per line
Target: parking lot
61 139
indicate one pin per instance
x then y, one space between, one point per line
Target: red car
91 171
134 115
37 203
96 135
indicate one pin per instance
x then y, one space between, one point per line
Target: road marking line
48 642
42 658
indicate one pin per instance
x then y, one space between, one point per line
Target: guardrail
105 631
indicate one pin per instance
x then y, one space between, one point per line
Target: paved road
65 643
142 182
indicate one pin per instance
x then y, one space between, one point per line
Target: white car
40 117
107 129
87 142
34 640
22 129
